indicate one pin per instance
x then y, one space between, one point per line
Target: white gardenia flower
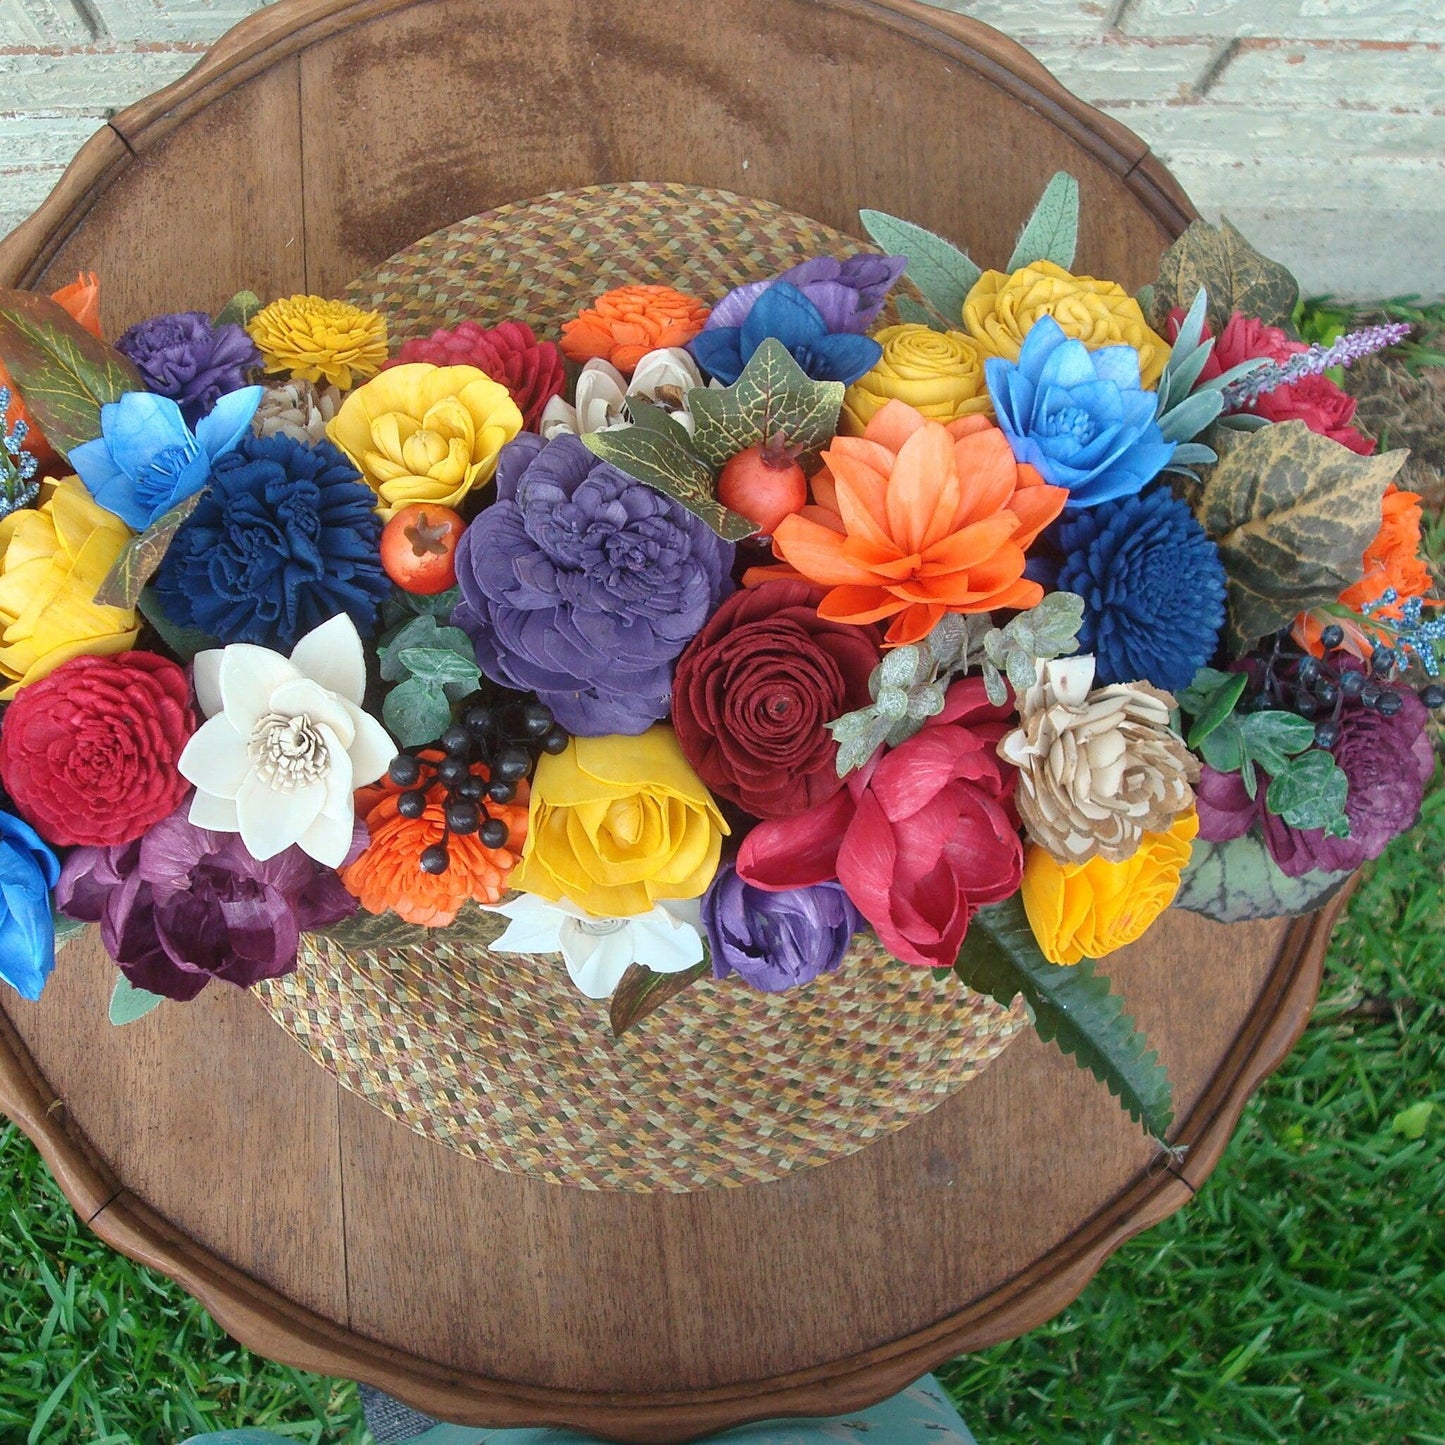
285 743
598 951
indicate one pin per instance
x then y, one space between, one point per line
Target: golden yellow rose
53 558
424 433
939 373
1085 910
1000 309
317 340
618 824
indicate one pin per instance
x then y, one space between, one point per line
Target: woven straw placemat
498 1056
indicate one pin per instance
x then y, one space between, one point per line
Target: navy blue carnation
286 538
1152 584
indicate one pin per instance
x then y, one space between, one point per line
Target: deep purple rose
1387 763
188 358
850 293
583 585
776 941
181 906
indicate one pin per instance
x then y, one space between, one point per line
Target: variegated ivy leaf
1218 260
142 556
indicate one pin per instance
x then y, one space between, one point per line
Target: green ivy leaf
129 1003
773 396
1309 792
1218 260
942 272
64 374
143 555
422 633
1291 513
401 606
1052 232
1272 738
659 460
1223 746
239 310
1238 881
1072 1006
641 992
441 668
416 712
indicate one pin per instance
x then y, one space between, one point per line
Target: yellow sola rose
53 558
939 373
424 433
1085 910
617 824
1000 310
316 340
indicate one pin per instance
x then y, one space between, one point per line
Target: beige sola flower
312 339
1097 769
300 410
424 433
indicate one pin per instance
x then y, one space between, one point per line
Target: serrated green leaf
439 666
914 313
1072 1006
773 397
416 712
129 1003
942 272
1210 708
1236 277
1309 792
1052 232
63 373
641 991
184 642
239 310
143 555
1237 881
659 460
401 606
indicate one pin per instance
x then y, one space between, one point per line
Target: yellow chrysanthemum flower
317 340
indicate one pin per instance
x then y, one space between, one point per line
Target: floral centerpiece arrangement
709 632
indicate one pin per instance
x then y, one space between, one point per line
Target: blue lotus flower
28 871
783 312
147 459
1078 416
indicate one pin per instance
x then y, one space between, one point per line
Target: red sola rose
88 754
755 690
920 839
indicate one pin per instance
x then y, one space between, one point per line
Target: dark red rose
754 691
88 754
921 838
531 370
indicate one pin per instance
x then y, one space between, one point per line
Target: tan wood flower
296 409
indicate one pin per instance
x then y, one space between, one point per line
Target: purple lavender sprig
1350 348
18 487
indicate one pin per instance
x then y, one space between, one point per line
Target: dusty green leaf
64 374
942 272
915 313
641 992
659 460
1237 881
1052 232
1273 737
1309 792
129 1003
65 928
239 310
773 397
138 563
1291 513
1235 276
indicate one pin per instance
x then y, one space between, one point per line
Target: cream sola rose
285 743
663 378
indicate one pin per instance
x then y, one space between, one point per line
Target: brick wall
1317 125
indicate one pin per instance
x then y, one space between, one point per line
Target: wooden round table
316 139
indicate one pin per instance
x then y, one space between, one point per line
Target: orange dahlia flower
914 519
1393 558
388 874
623 325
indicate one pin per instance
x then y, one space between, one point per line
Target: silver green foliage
1052 232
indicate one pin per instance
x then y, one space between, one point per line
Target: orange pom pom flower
623 325
388 875
914 519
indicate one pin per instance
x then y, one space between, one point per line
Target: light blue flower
147 459
28 871
1078 416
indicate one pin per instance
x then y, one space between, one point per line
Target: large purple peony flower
188 358
776 941
1387 761
850 293
582 585
181 906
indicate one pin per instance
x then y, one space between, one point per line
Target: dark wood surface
318 138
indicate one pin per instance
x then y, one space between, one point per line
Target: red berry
763 484
419 548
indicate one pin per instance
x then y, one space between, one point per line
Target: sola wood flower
313 339
663 378
1097 769
913 520
285 743
624 324
300 410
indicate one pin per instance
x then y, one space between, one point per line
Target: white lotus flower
598 951
663 377
285 743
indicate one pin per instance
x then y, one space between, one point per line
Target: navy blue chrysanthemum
286 538
1152 584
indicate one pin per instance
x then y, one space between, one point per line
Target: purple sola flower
848 294
188 358
181 906
583 585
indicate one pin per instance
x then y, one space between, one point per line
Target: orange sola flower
388 874
1393 559
623 325
914 519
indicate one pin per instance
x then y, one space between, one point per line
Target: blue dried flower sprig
1412 633
18 485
